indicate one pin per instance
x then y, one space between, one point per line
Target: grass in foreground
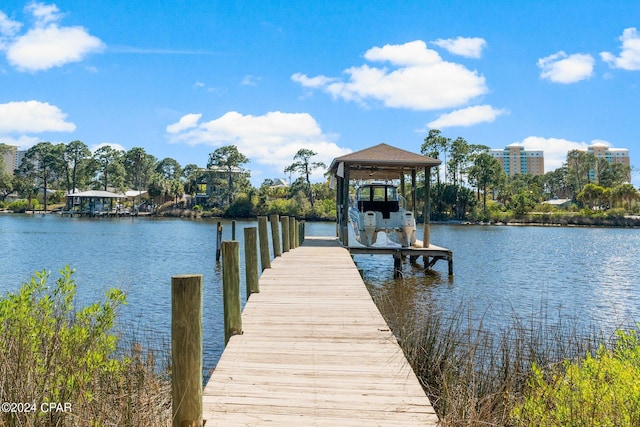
531 373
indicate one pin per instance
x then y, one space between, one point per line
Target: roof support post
413 191
427 207
345 206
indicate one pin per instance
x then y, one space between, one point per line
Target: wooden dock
314 351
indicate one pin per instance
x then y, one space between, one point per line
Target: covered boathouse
384 162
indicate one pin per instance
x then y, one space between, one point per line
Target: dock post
251 260
275 235
303 231
397 265
263 237
450 262
231 289
292 232
285 233
186 350
218 240
233 229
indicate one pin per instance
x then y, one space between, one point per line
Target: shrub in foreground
54 353
600 390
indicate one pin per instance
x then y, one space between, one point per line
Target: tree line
470 184
588 181
72 167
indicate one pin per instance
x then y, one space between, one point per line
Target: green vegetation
600 390
588 182
53 352
470 185
533 372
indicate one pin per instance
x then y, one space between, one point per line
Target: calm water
589 272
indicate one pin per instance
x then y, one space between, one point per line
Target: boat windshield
378 193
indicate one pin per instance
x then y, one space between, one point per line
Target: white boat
379 208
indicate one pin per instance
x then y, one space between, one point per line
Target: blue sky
181 78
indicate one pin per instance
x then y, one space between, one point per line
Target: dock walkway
314 351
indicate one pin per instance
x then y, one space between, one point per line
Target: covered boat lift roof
380 162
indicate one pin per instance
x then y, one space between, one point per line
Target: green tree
625 193
555 184
40 163
593 195
190 174
304 167
486 173
579 165
78 164
169 168
109 166
434 145
230 160
139 167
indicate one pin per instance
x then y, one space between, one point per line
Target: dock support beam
231 289
263 237
186 350
427 208
251 260
275 235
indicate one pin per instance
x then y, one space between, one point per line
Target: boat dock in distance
380 207
314 350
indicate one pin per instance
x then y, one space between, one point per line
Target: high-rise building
10 158
516 160
611 155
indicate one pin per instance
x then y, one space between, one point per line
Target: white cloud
249 80
312 82
47 44
563 68
470 47
33 117
467 117
419 80
629 58
187 121
555 149
8 29
270 140
44 14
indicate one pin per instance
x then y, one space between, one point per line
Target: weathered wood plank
314 351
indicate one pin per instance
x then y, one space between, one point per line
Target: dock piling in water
251 260
275 235
285 233
263 237
231 289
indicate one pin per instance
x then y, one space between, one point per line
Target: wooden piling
218 240
231 289
275 235
285 233
233 229
263 237
292 232
251 260
186 350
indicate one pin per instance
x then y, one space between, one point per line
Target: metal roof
97 194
